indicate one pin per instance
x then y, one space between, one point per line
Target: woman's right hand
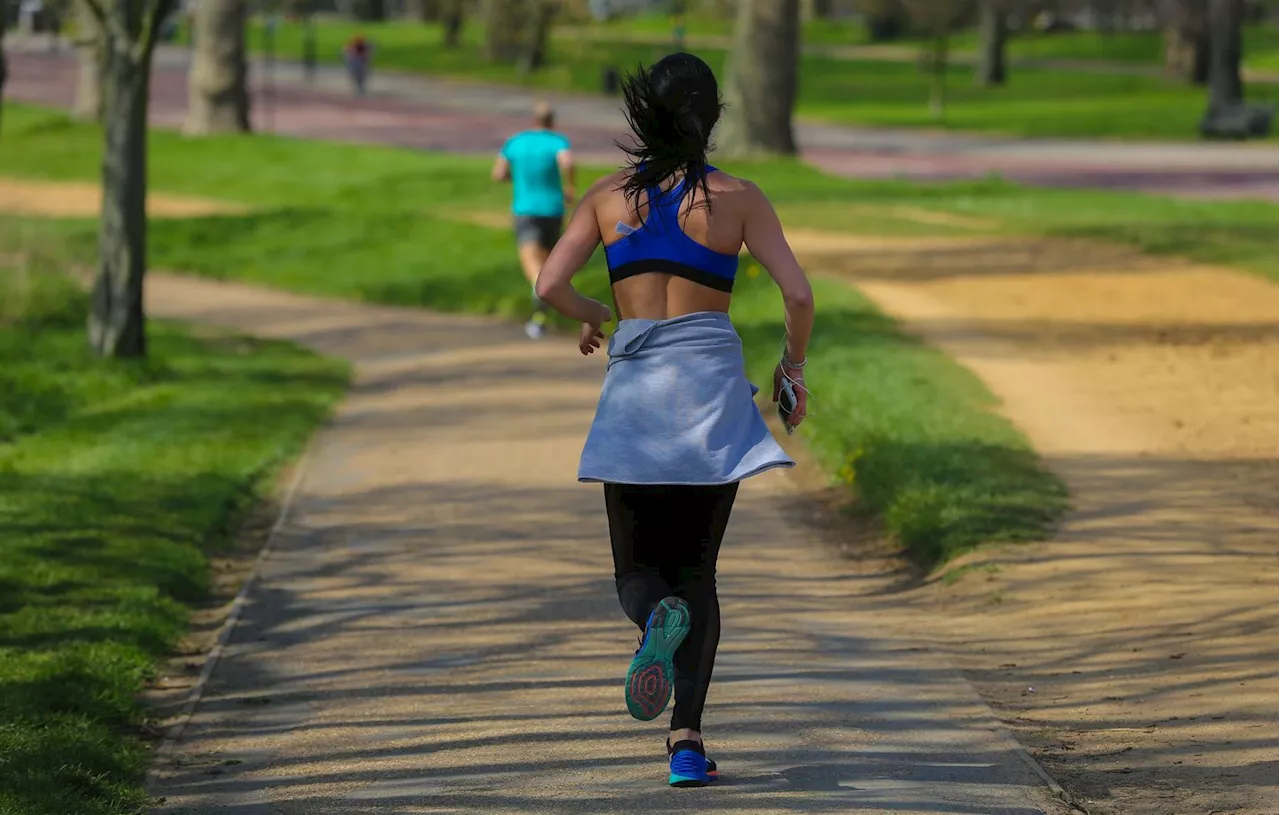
591 335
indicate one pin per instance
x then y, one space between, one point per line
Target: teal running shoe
651 677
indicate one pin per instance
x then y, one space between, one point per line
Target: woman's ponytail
672 108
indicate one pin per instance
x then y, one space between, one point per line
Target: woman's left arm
555 287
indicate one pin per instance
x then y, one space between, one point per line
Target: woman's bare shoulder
720 181
741 191
609 183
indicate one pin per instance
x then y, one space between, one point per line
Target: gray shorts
544 231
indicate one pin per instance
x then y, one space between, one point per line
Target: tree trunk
1186 40
505 23
886 20
423 11
116 322
452 17
760 79
218 94
89 54
938 65
4 64
1226 89
534 49
992 30
370 10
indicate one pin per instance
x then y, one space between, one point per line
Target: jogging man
539 166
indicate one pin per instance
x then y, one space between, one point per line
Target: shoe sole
650 677
684 781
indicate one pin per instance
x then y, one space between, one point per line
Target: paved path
425 113
436 630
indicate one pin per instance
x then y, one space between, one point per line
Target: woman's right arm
762 234
554 285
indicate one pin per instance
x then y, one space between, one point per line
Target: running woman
539 165
676 428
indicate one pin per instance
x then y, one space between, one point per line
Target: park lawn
118 480
649 27
1036 102
947 477
1238 234
1260 46
1136 47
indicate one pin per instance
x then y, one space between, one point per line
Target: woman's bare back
657 295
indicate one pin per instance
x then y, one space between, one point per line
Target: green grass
1035 102
1139 47
117 481
913 434
648 27
910 430
1240 234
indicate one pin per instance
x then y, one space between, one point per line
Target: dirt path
435 629
1136 651
76 199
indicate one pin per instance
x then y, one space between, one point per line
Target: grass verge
118 480
893 93
914 435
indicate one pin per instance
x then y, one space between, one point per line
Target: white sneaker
532 330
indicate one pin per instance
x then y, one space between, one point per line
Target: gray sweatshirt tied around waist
676 407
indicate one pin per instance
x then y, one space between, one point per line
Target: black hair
672 108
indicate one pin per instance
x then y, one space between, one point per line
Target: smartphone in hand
786 404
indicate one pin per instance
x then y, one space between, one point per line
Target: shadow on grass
1250 246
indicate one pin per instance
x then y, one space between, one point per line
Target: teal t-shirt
535 176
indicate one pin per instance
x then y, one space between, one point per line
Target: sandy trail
1136 651
76 199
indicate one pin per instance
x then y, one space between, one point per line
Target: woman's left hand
802 394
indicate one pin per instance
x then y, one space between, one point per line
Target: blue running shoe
712 770
652 673
689 765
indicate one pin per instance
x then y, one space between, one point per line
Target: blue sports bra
660 245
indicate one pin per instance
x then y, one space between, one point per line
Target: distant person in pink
356 55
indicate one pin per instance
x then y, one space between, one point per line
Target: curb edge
174 733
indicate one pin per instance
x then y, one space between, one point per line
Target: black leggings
665 542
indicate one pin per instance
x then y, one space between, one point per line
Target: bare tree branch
152 23
110 24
